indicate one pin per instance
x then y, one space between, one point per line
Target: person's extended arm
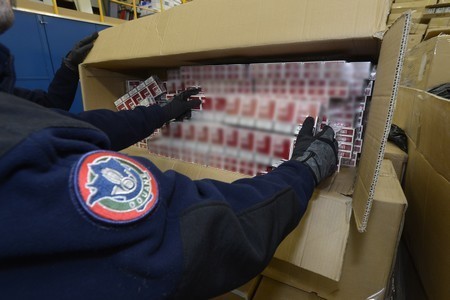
127 127
62 90
60 94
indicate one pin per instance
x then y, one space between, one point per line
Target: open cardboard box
234 31
425 119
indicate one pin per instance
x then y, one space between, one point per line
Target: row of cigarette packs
276 114
287 70
145 93
232 148
267 105
298 87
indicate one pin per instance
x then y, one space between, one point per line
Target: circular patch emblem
115 188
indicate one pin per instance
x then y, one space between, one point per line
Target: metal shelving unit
51 7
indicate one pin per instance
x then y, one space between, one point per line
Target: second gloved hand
79 52
318 152
180 107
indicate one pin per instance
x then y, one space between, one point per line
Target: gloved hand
79 52
179 107
318 152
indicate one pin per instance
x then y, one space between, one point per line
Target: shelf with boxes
133 9
110 12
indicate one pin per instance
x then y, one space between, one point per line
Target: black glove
318 152
79 52
179 107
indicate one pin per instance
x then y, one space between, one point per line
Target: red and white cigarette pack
285 115
282 147
140 93
266 113
249 106
232 109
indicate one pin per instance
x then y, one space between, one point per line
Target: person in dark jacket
123 128
80 221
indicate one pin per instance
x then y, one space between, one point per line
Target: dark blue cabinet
39 43
27 41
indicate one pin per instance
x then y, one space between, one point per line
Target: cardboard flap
379 122
318 243
208 30
425 118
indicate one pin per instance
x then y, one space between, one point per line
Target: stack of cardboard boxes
425 118
345 246
425 174
430 18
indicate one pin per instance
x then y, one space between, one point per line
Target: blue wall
39 44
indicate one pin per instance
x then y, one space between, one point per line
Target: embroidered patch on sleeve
114 188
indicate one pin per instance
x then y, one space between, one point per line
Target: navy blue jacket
123 128
81 222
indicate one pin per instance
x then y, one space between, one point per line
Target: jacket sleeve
230 232
61 91
126 127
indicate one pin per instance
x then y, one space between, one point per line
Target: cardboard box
398 157
416 15
425 119
270 289
427 65
418 28
437 26
370 256
410 1
245 292
180 37
414 40
441 10
401 7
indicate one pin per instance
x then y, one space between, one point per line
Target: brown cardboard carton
270 289
437 26
418 28
370 256
200 32
416 15
401 7
427 65
425 119
414 40
440 10
398 158
244 292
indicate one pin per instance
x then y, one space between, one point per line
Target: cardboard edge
362 226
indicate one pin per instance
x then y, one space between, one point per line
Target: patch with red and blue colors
114 188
